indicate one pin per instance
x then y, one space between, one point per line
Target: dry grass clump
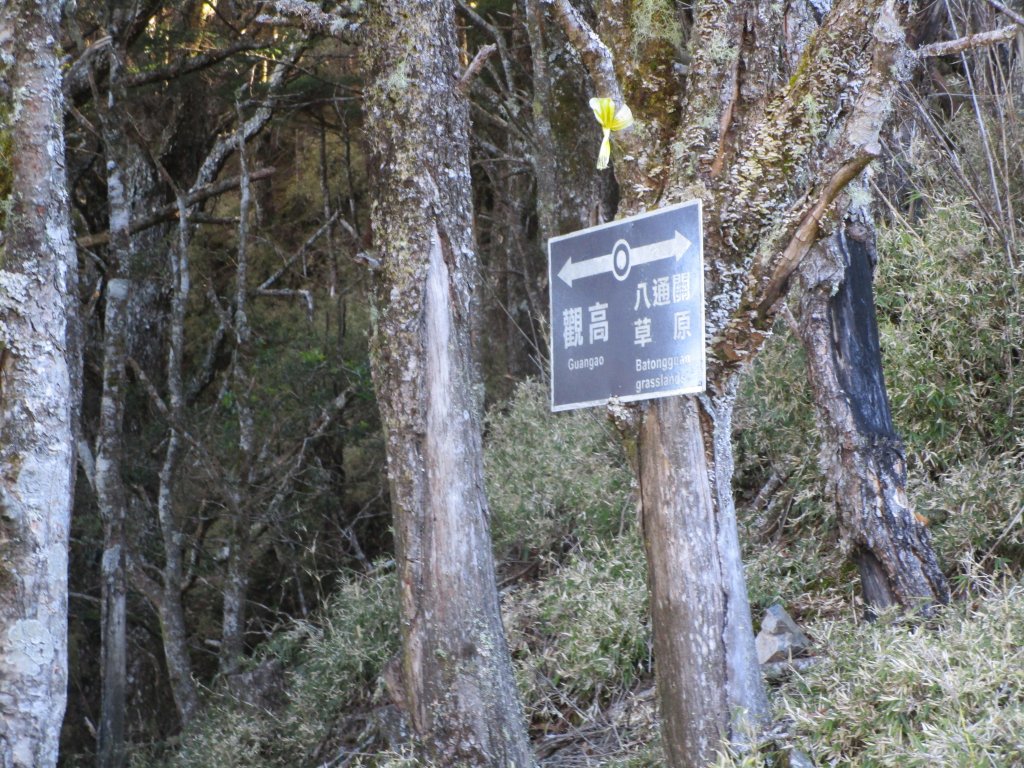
898 693
581 637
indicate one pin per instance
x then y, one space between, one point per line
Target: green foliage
948 319
581 637
975 509
790 533
552 477
332 669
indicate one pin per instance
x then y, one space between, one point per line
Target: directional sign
627 309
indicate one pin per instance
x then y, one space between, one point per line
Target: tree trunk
707 686
862 455
456 669
110 491
36 454
768 138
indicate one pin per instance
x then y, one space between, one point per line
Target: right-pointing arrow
642 254
666 249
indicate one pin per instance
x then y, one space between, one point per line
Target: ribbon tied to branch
610 120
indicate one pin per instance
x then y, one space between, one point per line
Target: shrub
893 695
790 534
581 636
332 670
552 477
948 320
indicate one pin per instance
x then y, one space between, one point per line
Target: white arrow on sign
626 258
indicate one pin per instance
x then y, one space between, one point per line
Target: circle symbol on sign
620 260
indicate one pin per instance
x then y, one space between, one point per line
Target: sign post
627 309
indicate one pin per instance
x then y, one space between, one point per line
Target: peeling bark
456 669
36 440
862 455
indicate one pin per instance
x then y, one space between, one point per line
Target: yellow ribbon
610 120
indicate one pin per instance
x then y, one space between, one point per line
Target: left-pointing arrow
642 254
575 270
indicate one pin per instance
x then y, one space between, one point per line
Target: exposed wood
456 671
862 455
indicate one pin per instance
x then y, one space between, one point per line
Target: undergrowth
552 479
906 693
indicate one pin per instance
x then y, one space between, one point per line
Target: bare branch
170 212
596 56
1008 11
188 65
807 233
969 42
303 294
311 18
304 248
475 66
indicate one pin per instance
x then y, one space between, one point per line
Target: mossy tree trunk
767 127
36 454
457 675
862 455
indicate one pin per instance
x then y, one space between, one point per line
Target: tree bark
456 670
36 440
688 604
768 139
110 492
862 455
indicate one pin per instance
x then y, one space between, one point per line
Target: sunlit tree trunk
36 456
456 670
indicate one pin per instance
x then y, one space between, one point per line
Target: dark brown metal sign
627 309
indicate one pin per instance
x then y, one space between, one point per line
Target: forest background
260 608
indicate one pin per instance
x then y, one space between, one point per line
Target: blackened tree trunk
36 455
456 669
862 455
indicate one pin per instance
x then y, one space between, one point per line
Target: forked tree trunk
767 135
36 456
456 670
862 455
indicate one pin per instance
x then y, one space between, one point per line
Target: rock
780 638
262 686
796 759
